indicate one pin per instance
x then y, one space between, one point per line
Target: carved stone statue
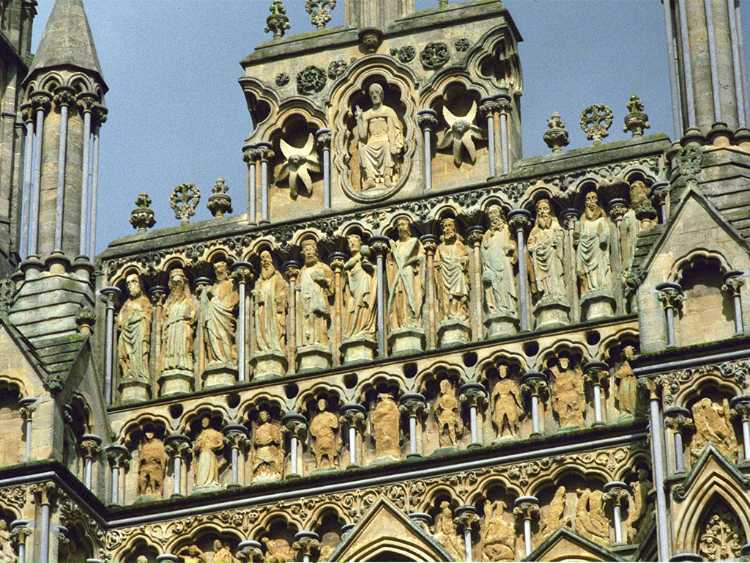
498 533
268 458
278 550
316 289
328 543
713 426
546 247
381 141
7 553
218 314
447 415
323 429
222 553
152 465
568 398
640 216
591 521
192 554
639 488
507 404
208 462
134 328
271 302
360 294
627 383
445 532
179 320
385 426
552 516
451 272
593 264
498 251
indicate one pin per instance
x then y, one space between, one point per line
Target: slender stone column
467 519
338 259
661 195
178 446
597 374
474 236
519 220
526 509
250 156
474 395
429 243
237 437
741 409
45 495
90 448
157 293
414 406
86 103
119 459
109 295
656 431
307 545
19 531
380 246
242 272
535 384
733 282
679 421
674 78
323 138
41 103
27 112
738 58
427 121
671 297
487 109
291 269
503 101
266 154
99 118
295 425
616 495
63 100
353 419
28 406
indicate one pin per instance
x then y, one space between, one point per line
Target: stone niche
11 425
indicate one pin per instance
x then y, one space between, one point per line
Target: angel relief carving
461 134
299 163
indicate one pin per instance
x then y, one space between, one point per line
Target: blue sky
177 113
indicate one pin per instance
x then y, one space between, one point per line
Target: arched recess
11 421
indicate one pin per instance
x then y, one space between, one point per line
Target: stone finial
219 202
556 136
277 22
636 120
320 11
184 200
142 217
596 120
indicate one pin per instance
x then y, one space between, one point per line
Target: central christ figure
381 141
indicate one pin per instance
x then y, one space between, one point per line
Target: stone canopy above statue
403 102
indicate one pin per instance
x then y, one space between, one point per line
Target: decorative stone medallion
311 80
434 55
282 79
404 54
336 68
462 44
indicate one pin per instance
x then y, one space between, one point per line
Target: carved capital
741 407
28 406
44 493
413 404
526 508
617 493
670 295
242 272
86 102
519 219
90 446
429 243
596 373
353 416
466 517
265 151
118 456
475 234
236 436
177 445
250 551
64 97
291 269
19 531
27 112
651 385
41 101
157 294
380 245
295 425
110 295
535 384
323 138
306 544
733 282
678 419
473 394
338 259
99 114
488 107
250 154
427 119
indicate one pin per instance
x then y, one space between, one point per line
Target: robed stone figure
316 290
207 463
360 294
546 251
405 272
268 459
271 302
381 141
179 321
219 306
385 426
451 270
498 251
152 465
593 264
134 327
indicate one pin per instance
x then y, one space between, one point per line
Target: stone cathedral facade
401 340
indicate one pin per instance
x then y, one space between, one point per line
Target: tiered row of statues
322 314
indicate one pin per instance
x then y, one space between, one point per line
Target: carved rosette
596 120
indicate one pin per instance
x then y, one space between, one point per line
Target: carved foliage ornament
282 79
720 540
277 22
320 11
404 54
462 44
434 55
674 382
184 201
311 80
596 120
336 68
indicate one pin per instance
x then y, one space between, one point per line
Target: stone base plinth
175 381
219 376
406 341
453 331
313 357
134 391
501 324
269 364
551 313
597 305
358 350
203 489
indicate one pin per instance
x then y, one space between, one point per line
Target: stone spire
376 13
